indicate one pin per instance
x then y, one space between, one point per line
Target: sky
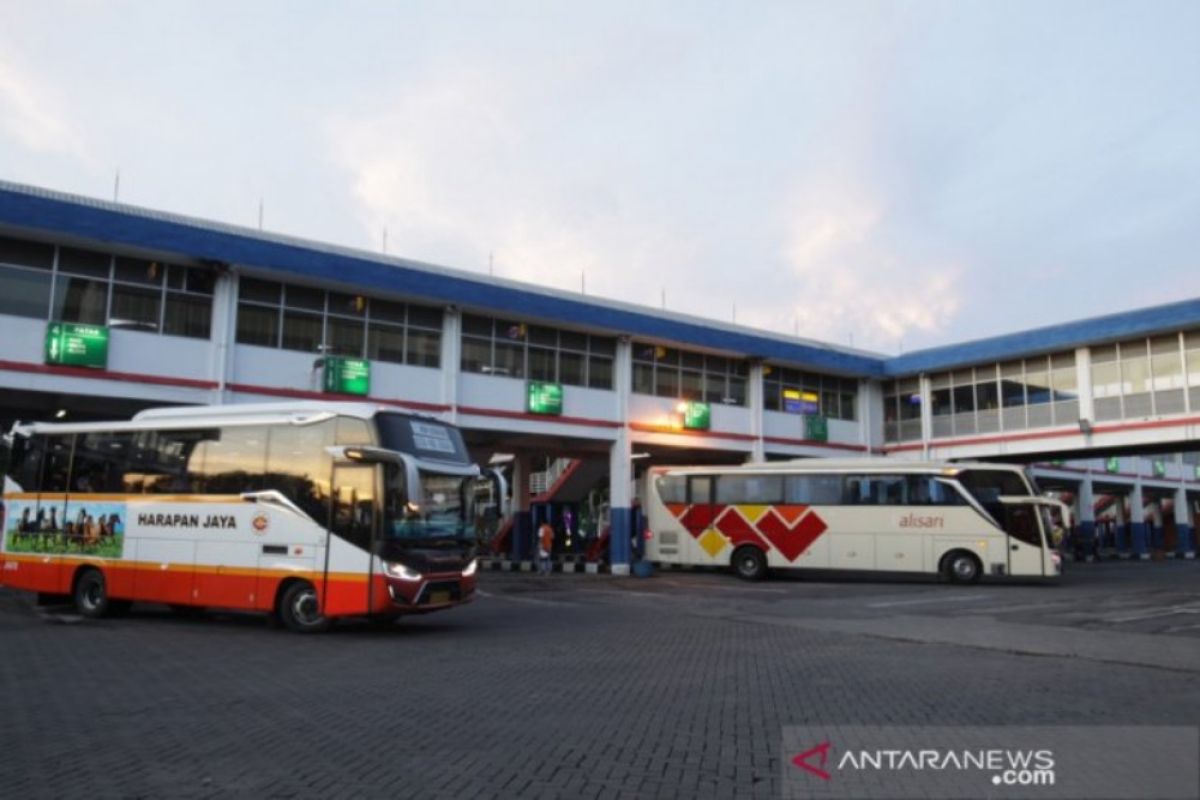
890 176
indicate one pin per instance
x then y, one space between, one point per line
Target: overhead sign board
1160 468
816 428
543 397
1112 464
797 401
347 376
73 345
697 416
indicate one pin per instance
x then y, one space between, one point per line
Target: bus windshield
435 512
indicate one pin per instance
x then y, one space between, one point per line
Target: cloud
29 115
855 275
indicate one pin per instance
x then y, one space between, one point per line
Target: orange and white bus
307 510
961 521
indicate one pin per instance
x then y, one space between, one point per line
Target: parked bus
311 511
960 521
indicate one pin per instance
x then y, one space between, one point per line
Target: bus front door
1025 538
349 562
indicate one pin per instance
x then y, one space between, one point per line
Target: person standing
545 547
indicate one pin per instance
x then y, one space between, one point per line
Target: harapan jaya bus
308 510
960 521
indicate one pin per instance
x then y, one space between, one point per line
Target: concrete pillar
926 414
754 397
1184 524
1085 502
451 361
1154 524
620 464
1137 522
1120 527
1083 377
224 333
870 415
521 546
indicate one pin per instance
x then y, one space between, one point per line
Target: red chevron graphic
738 531
699 518
791 540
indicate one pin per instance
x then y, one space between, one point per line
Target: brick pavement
563 687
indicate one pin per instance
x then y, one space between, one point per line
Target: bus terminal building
106 309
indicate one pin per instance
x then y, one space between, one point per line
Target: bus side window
813 490
353 431
300 468
100 462
234 463
57 469
672 489
26 466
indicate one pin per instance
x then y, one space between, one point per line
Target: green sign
697 416
1198 470
347 376
77 345
1112 464
816 428
1057 462
544 398
1160 468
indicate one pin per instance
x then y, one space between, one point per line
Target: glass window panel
257 325
691 385
569 340
813 490
643 352
347 305
132 304
1012 393
717 364
964 399
602 345
910 405
737 392
423 348
476 326
600 372
234 463
1168 371
666 381
84 262
510 359
301 331
351 430
571 368
666 355
541 364
201 281
24 292
691 360
513 331
386 343
25 253
1062 361
939 402
425 317
1037 382
714 389
299 466
304 297
740 368
138 270
643 378
1135 374
259 291
544 336
987 396
80 300
344 337
387 311
187 316
476 354
849 404
672 488
749 489
1106 379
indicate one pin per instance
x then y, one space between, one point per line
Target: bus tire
749 563
961 566
299 609
91 594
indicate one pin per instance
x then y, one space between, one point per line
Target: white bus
960 521
307 510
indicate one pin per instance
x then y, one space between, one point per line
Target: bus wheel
749 563
91 594
300 610
962 567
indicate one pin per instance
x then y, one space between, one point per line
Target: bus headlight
398 570
470 568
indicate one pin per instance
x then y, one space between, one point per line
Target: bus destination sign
347 376
72 345
544 398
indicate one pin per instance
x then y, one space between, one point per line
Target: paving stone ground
568 686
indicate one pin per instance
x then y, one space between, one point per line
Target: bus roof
841 465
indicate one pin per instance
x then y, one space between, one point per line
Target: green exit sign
816 428
1160 468
697 416
347 376
1112 464
75 345
544 398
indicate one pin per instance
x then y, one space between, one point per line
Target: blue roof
33 208
55 213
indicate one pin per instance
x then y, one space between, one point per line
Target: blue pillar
1186 542
1087 537
522 536
618 541
1138 533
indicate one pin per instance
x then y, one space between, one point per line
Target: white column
754 396
1085 523
224 332
451 361
926 413
1083 377
1137 518
620 463
870 414
1184 527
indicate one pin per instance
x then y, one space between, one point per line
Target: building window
70 284
308 320
835 397
512 349
687 375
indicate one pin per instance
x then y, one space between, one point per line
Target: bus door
284 544
348 572
1025 538
701 514
485 506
